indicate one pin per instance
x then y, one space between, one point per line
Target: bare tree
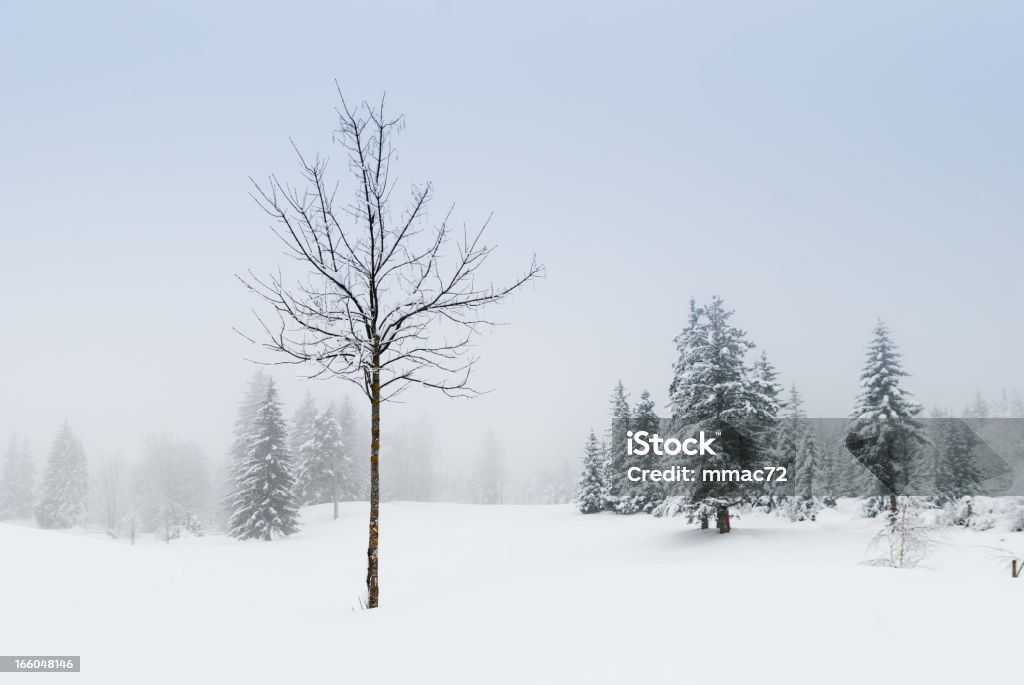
386 301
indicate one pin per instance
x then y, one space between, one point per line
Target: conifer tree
715 391
883 433
263 499
642 496
957 475
807 461
354 437
255 394
831 472
789 438
765 391
808 457
617 485
65 489
324 463
590 495
16 482
302 426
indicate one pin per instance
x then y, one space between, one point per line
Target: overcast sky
818 164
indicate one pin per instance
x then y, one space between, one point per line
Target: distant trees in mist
172 487
63 499
17 479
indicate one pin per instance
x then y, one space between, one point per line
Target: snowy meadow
512 594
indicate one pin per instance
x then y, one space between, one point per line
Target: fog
817 181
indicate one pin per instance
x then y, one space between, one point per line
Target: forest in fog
175 486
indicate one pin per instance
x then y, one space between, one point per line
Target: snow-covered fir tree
830 471
957 473
324 465
263 501
16 482
590 486
788 440
883 433
714 390
617 460
633 497
254 396
803 506
353 433
65 488
765 392
690 350
302 426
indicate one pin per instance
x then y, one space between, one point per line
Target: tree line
882 450
173 488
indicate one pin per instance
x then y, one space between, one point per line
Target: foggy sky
819 167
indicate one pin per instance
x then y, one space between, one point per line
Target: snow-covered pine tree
254 396
617 485
606 476
16 482
883 433
690 346
713 391
928 471
65 487
958 477
590 486
324 465
263 500
354 436
808 458
302 427
830 472
788 440
644 496
765 392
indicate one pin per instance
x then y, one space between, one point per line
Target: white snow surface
514 594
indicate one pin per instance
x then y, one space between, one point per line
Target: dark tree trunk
723 520
703 522
335 507
892 503
372 586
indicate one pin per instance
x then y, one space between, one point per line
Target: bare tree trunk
723 520
703 522
892 503
335 506
372 586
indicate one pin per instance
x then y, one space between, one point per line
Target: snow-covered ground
515 594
